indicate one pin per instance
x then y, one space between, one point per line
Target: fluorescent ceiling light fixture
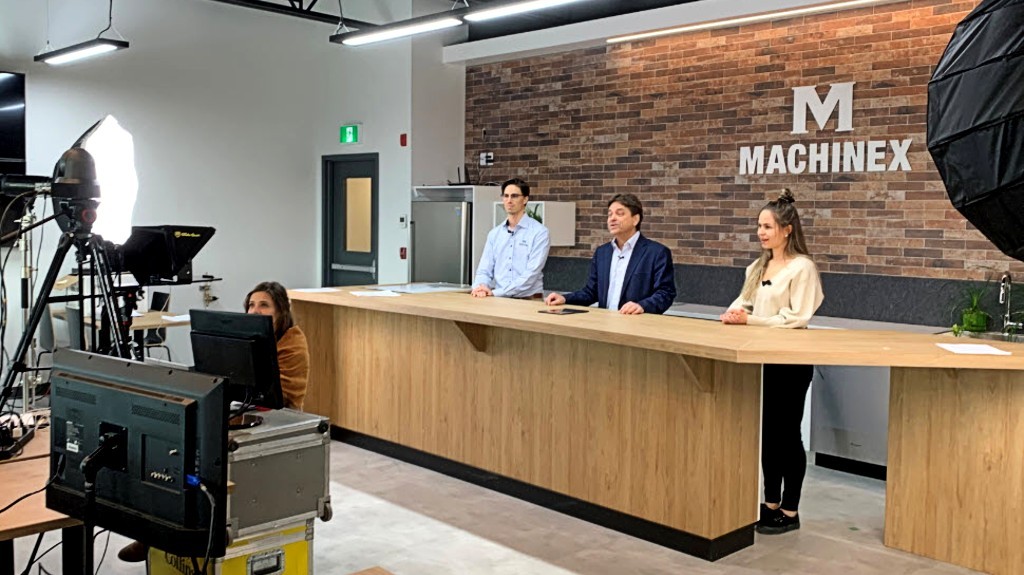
88 49
516 8
12 107
96 46
440 21
389 32
832 7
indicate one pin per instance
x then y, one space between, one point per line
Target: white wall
372 85
438 111
231 110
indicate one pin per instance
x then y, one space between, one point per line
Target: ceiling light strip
450 19
517 8
380 35
779 15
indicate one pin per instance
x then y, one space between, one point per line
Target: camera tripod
88 246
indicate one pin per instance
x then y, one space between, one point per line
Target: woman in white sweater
782 289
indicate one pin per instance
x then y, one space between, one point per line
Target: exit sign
349 134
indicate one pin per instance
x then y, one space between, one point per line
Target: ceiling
327 11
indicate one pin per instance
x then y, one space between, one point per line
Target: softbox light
111 151
976 121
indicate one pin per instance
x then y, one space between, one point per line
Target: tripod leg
72 550
120 325
17 366
88 525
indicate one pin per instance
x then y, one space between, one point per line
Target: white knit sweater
789 301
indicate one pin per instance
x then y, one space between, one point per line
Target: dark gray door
350 211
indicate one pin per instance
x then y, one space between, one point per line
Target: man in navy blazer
630 273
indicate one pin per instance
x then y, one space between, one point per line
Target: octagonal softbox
976 121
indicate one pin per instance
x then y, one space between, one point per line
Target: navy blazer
649 279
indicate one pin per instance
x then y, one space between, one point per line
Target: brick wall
665 119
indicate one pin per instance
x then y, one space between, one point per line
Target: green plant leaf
535 213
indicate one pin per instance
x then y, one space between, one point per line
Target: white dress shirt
617 275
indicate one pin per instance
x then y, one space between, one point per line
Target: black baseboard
708 549
872 470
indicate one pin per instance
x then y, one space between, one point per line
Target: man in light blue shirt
513 260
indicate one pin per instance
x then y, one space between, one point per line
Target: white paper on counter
972 349
182 317
379 293
317 290
137 313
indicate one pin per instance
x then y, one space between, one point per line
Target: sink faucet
1005 283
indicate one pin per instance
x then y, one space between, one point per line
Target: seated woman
270 298
267 298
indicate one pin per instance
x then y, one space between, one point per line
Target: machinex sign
825 157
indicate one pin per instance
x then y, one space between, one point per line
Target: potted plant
535 213
972 317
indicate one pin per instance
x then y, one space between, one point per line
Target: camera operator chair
161 301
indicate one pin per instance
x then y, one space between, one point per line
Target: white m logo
805 97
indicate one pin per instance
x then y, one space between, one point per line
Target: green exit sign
349 134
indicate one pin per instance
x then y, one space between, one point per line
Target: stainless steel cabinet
447 241
850 412
442 243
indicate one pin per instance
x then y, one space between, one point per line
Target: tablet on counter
562 311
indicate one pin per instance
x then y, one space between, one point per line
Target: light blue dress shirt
514 258
617 275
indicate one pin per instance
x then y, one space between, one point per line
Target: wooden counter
25 474
685 336
650 424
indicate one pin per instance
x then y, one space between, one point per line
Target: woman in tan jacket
782 290
267 298
270 298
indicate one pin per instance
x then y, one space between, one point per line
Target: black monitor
12 123
241 347
162 255
12 145
162 430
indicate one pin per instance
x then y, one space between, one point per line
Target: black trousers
783 460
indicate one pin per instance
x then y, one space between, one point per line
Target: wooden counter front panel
318 323
955 489
620 427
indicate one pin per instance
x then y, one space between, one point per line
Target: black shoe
767 514
779 524
134 552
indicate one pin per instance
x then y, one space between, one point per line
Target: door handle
349 268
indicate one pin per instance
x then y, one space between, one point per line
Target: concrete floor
411 521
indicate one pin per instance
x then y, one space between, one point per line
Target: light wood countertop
685 336
23 475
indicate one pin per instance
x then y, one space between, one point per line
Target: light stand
28 223
87 245
29 381
75 192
